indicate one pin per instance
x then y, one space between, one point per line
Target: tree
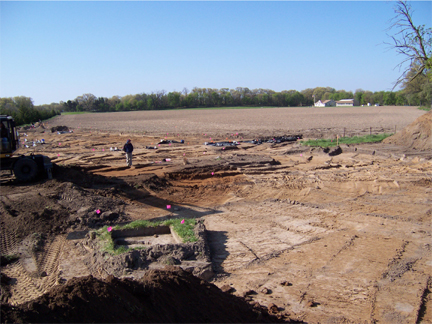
308 99
174 99
358 95
367 98
414 42
86 101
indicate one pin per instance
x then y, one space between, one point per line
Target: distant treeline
24 112
206 97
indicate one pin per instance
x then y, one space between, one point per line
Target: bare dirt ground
311 121
313 237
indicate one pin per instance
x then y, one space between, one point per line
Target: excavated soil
291 233
168 296
416 135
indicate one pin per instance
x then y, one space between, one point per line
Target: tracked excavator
25 168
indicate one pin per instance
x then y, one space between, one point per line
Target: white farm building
347 102
325 103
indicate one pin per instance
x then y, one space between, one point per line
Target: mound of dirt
416 136
57 206
161 296
59 129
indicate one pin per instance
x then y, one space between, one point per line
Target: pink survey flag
182 222
109 229
212 173
168 206
98 211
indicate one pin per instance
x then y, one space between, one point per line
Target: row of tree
415 93
24 111
207 97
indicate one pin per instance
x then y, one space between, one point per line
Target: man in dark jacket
128 148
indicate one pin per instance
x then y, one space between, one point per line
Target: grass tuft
75 112
425 108
346 140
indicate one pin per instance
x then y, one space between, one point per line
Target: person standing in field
128 148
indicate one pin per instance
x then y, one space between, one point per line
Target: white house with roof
347 102
325 103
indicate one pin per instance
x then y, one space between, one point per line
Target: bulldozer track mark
25 289
49 264
8 243
30 285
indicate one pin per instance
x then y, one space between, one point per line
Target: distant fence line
333 132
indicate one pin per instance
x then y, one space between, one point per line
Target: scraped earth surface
308 236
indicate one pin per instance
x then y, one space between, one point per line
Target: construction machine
25 168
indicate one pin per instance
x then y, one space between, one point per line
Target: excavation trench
149 248
144 237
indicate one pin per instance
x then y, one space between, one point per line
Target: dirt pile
417 135
59 129
53 207
164 296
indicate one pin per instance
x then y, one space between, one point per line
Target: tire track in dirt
24 288
49 264
29 286
8 244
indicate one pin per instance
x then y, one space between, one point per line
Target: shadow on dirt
218 253
135 189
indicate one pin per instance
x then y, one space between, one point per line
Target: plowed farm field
310 121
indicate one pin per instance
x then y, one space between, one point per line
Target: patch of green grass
219 108
346 140
185 231
138 224
75 112
425 108
10 257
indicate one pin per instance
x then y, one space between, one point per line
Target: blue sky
55 51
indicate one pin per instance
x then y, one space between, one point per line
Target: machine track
28 286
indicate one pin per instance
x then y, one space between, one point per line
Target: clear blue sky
56 51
